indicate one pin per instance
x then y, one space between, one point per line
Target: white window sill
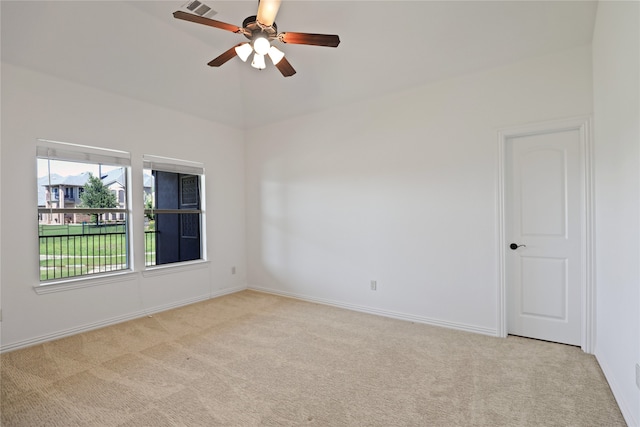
83 282
177 267
103 279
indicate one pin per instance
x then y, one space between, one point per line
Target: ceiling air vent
198 8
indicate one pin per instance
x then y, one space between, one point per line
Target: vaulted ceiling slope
137 49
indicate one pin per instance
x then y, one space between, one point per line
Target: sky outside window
65 168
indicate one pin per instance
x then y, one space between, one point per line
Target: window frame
67 152
153 163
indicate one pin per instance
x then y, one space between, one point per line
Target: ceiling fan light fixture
258 62
243 51
260 30
275 54
261 45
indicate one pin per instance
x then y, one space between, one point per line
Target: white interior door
543 202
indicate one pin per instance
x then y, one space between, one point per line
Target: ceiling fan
261 29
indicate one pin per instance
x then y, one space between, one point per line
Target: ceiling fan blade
330 40
206 21
267 11
285 68
226 56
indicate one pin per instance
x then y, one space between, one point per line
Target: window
86 231
173 210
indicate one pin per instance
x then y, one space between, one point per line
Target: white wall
39 106
616 72
401 190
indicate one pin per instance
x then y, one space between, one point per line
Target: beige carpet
251 359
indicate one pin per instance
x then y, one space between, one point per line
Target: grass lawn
79 229
77 249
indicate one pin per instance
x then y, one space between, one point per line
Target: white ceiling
137 49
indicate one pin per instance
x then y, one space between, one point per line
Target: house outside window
174 211
79 235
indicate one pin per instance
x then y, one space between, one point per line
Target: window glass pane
82 221
173 219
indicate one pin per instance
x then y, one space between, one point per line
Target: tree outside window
97 195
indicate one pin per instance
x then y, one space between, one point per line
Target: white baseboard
627 414
384 313
114 320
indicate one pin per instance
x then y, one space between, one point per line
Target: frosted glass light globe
243 51
261 45
258 62
275 54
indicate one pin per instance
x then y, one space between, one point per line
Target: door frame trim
583 125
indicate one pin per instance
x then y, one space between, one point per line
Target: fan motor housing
252 27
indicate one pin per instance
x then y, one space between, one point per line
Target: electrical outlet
638 374
233 270
374 285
